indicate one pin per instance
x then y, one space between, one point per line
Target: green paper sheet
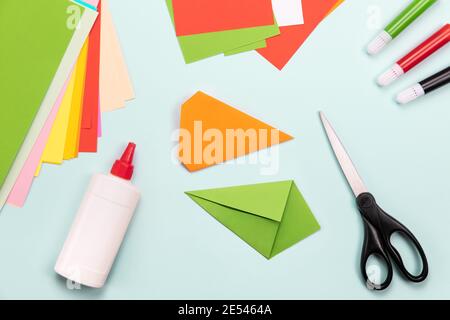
250 47
33 37
201 46
41 41
270 217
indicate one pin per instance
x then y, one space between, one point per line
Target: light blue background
174 250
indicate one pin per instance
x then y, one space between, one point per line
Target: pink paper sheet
92 2
19 193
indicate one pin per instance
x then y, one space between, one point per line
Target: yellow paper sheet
336 5
54 149
38 170
73 130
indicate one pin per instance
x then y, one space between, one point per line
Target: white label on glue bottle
100 225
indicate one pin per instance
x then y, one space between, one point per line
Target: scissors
378 225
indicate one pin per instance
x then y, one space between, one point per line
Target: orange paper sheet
204 16
212 132
281 49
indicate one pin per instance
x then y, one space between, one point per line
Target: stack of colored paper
63 65
275 28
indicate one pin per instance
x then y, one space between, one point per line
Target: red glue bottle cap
124 168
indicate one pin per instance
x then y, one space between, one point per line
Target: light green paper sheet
246 48
201 46
249 47
39 50
270 217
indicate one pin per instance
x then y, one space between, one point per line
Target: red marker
419 54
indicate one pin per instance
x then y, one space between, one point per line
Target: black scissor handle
379 228
373 246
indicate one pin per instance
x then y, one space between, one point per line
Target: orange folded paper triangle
212 132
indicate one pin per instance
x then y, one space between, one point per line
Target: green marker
400 23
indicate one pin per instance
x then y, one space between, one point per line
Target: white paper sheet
288 12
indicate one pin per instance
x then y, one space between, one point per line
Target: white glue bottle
100 225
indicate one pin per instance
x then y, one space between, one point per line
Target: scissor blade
343 158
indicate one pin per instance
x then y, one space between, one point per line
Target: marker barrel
416 56
400 23
408 16
436 81
424 87
425 49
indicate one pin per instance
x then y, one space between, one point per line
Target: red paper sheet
90 115
203 16
281 49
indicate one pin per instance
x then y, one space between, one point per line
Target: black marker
424 87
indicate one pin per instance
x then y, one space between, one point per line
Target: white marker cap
410 94
380 41
390 75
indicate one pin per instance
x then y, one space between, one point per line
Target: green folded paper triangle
270 217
